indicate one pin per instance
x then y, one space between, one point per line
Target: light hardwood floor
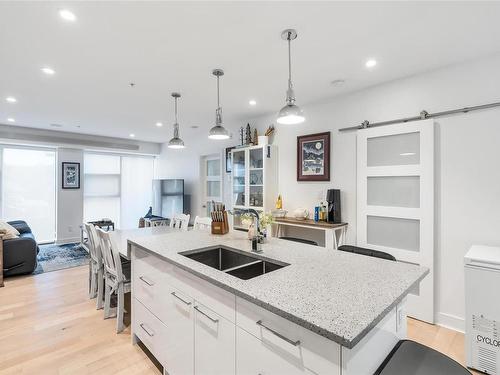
49 326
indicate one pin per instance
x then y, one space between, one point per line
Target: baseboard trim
453 322
64 241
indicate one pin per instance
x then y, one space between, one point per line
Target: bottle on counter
316 213
279 203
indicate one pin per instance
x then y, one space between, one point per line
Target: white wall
467 155
185 164
69 201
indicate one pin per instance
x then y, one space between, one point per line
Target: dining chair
202 223
95 262
180 221
95 241
116 278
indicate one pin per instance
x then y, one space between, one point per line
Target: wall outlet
70 229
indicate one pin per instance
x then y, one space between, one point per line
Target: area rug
57 257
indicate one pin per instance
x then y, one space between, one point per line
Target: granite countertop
335 294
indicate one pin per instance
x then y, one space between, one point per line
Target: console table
335 233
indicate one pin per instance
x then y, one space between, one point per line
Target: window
29 189
117 187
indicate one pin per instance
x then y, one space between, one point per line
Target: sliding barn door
395 173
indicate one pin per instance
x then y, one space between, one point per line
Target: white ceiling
167 46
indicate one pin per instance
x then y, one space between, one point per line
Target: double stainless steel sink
234 262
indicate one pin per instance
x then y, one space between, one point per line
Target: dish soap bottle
279 203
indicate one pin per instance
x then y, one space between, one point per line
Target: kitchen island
205 304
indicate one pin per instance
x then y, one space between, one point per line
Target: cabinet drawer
150 269
219 300
254 356
289 340
214 343
149 330
178 313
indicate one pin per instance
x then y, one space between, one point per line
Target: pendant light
218 131
290 114
176 142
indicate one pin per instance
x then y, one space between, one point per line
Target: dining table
121 236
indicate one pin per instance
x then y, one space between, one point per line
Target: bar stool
411 358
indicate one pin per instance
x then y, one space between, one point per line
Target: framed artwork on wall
70 175
228 159
313 157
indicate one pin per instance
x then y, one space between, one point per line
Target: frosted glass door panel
213 189
29 190
213 168
394 191
398 149
393 232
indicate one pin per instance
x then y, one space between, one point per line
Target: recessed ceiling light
337 82
159 124
407 154
131 135
48 71
252 102
67 15
370 63
10 119
11 99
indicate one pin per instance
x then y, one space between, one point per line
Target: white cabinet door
255 357
179 353
214 343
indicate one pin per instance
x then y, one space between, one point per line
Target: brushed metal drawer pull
150 283
180 299
208 316
294 343
143 326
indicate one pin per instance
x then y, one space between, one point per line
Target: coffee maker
333 211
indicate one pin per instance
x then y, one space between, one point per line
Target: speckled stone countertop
335 294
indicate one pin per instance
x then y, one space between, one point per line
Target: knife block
221 227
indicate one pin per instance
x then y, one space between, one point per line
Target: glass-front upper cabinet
256 178
239 177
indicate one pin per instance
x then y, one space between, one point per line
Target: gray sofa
19 254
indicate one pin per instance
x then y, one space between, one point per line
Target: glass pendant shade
176 142
290 114
218 132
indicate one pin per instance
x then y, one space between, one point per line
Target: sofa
19 254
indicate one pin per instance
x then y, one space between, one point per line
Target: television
168 197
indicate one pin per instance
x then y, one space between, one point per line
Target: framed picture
313 157
229 161
70 175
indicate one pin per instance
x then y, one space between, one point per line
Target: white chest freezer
482 308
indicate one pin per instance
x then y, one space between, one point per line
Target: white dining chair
95 241
180 221
116 278
95 262
202 223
